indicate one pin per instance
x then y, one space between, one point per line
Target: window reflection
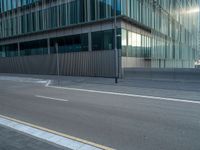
103 40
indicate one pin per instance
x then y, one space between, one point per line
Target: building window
74 43
9 50
33 48
103 40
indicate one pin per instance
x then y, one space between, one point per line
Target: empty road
147 119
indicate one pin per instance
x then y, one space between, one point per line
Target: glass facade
6 5
163 31
135 44
64 13
172 40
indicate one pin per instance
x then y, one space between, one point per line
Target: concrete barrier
185 74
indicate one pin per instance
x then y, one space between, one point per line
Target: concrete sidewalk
13 140
108 84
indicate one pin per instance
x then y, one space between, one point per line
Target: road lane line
51 136
128 95
51 98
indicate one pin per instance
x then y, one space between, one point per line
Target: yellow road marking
58 133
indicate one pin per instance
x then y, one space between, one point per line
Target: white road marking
48 83
128 95
100 92
24 79
50 135
51 98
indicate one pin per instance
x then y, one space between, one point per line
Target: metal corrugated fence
96 63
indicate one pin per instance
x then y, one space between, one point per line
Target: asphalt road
118 121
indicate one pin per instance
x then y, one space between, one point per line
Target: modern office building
198 49
96 37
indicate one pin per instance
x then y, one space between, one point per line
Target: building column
89 18
18 48
89 41
48 46
88 10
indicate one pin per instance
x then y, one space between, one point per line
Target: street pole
115 41
57 62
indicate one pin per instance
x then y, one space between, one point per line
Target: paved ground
12 140
115 120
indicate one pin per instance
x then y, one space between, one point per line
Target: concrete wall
133 62
98 64
179 74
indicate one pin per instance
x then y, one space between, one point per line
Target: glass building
198 49
150 33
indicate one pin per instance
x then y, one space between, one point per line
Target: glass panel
129 52
9 50
74 43
103 40
33 48
124 42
